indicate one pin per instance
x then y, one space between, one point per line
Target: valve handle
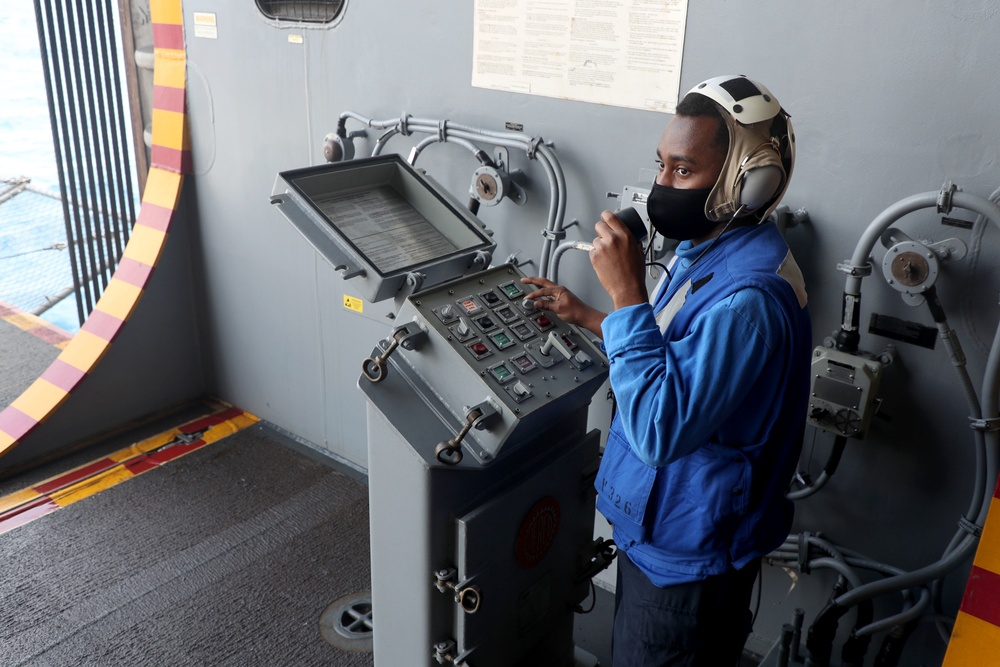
449 452
375 369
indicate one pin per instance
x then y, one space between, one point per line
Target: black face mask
679 214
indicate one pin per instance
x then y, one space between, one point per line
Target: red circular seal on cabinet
537 533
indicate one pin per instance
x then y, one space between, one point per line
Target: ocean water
25 133
33 266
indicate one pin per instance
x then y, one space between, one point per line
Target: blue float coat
711 381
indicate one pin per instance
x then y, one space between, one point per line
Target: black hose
892 646
855 648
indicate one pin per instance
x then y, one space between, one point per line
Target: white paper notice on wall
624 53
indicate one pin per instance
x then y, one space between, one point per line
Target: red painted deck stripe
157 217
15 423
49 335
6 311
982 596
168 98
26 513
63 375
168 36
133 272
171 159
74 476
211 420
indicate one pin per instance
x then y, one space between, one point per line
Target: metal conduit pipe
902 618
838 566
535 148
419 148
911 579
561 250
957 356
991 389
832 462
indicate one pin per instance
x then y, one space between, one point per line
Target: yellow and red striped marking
170 157
976 634
21 507
34 325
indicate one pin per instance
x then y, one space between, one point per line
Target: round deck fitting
347 623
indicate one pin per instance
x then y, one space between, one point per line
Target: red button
479 348
543 321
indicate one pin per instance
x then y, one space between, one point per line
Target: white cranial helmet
761 154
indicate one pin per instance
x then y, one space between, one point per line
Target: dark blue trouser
699 624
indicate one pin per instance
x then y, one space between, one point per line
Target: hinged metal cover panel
384 222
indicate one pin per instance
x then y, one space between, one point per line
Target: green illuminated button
501 340
512 290
502 373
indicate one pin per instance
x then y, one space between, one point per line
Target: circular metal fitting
490 185
910 267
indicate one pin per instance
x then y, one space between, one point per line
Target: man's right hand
559 300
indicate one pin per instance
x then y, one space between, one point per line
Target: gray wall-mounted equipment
481 467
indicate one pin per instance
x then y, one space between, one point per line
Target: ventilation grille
310 11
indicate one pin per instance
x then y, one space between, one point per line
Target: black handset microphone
633 221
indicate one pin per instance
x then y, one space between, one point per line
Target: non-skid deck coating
225 557
23 357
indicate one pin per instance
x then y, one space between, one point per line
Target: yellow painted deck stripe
91 486
119 473
25 321
17 498
145 446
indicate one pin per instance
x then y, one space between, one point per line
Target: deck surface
227 556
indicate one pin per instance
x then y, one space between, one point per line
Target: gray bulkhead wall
888 100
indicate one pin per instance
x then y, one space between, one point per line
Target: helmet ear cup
759 186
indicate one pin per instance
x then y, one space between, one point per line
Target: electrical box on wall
843 393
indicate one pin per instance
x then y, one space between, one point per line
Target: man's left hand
618 261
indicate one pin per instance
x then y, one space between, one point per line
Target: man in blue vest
710 377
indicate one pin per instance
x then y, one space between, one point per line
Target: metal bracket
414 280
856 271
533 145
944 197
985 424
969 527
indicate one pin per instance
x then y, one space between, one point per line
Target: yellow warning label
353 303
